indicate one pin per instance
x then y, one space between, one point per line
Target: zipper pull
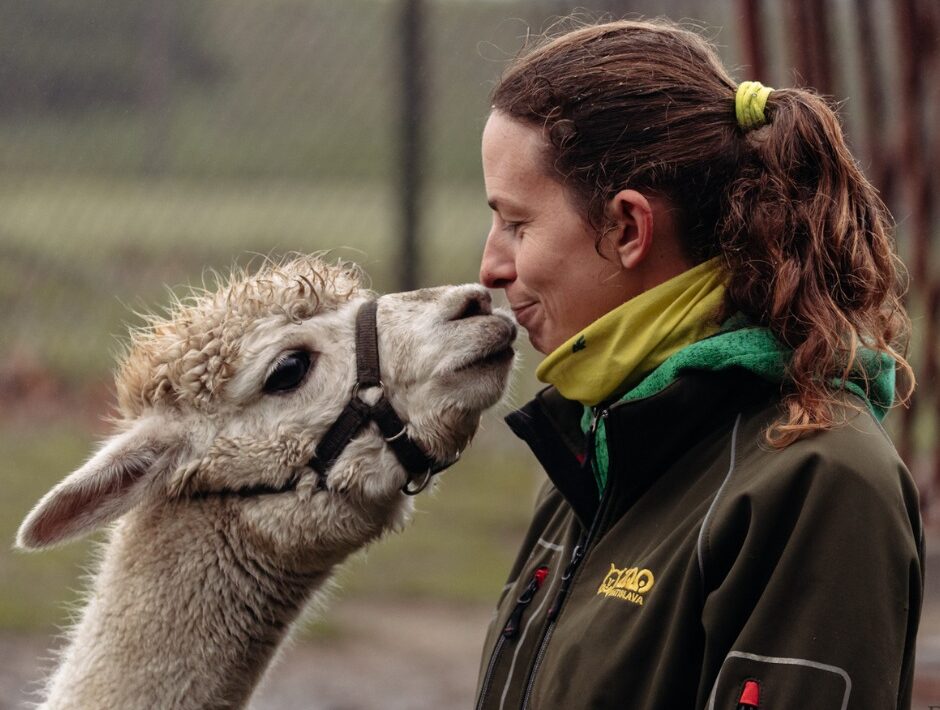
592 438
566 581
515 619
602 414
750 696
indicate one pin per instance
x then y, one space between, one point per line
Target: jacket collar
550 425
644 436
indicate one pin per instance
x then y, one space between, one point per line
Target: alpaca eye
287 372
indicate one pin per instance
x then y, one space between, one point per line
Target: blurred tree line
292 89
62 56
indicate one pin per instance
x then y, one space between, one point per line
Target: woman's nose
497 268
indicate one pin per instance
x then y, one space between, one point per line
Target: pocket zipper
511 629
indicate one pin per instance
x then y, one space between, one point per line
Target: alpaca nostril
474 304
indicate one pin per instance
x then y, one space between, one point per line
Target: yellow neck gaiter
620 348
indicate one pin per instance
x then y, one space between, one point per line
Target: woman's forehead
508 140
513 159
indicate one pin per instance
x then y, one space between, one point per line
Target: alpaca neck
175 625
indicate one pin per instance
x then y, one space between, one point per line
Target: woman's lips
524 313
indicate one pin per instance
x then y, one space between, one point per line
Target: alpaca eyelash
310 358
280 360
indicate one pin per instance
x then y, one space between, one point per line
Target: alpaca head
223 401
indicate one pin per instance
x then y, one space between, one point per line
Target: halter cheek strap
357 414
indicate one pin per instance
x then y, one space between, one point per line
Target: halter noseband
357 414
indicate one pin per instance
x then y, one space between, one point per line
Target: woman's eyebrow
498 204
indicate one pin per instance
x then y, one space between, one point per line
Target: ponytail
806 240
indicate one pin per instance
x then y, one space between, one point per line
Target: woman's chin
537 343
543 342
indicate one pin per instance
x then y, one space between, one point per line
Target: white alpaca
223 532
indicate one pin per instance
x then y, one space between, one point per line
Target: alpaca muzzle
357 414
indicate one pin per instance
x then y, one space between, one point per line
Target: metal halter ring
359 414
390 439
356 387
422 484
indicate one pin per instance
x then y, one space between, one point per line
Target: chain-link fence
142 142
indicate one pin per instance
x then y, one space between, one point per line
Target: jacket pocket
748 681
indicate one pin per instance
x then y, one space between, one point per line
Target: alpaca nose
476 302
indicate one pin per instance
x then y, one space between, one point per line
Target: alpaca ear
112 482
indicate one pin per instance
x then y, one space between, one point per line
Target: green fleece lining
754 349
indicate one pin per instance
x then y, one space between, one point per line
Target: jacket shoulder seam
702 543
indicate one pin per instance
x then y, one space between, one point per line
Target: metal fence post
411 137
753 39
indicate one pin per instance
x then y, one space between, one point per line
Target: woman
711 279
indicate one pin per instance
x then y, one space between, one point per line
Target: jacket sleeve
812 571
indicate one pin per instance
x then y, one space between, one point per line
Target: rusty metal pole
808 29
929 60
412 140
915 184
800 40
914 178
818 22
878 142
753 44
930 47
907 151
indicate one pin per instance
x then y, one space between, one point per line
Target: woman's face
540 249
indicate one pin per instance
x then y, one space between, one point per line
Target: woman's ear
631 234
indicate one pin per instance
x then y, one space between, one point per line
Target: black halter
357 414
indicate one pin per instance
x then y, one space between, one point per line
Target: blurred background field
143 143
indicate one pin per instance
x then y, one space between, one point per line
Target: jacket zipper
573 565
488 676
511 629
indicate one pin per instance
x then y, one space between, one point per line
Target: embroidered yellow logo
629 584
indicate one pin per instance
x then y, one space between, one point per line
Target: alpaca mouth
496 349
497 357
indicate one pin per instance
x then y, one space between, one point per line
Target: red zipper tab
750 696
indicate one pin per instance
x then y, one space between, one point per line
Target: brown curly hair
804 237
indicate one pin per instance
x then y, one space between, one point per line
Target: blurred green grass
87 250
77 254
458 549
36 588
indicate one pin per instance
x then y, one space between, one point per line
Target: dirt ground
402 656
398 656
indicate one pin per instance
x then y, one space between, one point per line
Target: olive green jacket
713 565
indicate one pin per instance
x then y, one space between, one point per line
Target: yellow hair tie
749 102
